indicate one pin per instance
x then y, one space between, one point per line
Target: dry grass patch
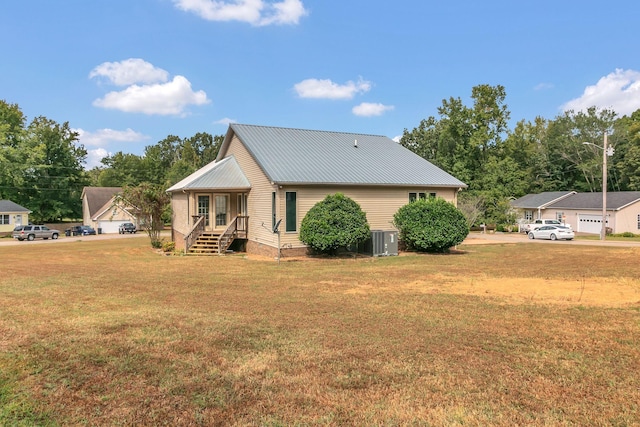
478 338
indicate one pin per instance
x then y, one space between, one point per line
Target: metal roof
298 156
616 200
538 201
9 206
223 174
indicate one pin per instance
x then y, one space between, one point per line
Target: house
583 211
265 179
532 206
103 210
12 215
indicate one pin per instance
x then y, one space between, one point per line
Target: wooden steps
206 244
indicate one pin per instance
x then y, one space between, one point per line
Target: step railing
238 225
195 232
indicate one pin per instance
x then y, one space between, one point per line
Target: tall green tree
627 167
53 174
570 164
122 169
12 122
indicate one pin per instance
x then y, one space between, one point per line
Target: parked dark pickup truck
127 227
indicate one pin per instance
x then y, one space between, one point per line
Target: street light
606 151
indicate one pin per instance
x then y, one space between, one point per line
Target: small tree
335 222
150 201
432 225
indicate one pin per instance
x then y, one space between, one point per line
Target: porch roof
223 174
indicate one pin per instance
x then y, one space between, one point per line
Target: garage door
590 223
110 226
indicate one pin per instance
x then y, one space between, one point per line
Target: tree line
475 144
42 162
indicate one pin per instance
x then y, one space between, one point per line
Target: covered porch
219 220
209 208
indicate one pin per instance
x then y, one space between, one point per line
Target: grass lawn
111 333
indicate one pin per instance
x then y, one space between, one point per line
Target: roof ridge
308 130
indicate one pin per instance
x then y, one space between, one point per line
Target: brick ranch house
268 176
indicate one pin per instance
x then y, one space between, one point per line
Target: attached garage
588 223
109 227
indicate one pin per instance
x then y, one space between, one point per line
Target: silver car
552 232
31 232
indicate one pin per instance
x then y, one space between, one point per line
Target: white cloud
326 89
94 158
169 98
254 12
368 109
543 86
619 91
101 139
226 121
130 71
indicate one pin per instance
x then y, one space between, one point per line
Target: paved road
488 238
65 239
472 239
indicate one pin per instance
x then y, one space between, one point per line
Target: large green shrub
333 223
432 225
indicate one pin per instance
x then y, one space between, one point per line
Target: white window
528 215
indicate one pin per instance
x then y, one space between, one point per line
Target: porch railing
196 231
236 228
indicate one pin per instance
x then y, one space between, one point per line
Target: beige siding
86 215
180 220
14 218
627 219
259 198
379 204
622 221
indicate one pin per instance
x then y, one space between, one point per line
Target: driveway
489 238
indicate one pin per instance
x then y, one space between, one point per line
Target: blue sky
127 73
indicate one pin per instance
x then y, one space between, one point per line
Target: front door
204 209
222 210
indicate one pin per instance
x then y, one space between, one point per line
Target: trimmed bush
432 225
335 222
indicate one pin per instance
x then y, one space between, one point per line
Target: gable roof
541 200
222 174
9 206
616 200
298 156
97 197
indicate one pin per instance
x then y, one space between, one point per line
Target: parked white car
541 222
552 232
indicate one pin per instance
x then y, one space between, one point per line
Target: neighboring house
268 176
12 215
583 211
102 210
532 206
